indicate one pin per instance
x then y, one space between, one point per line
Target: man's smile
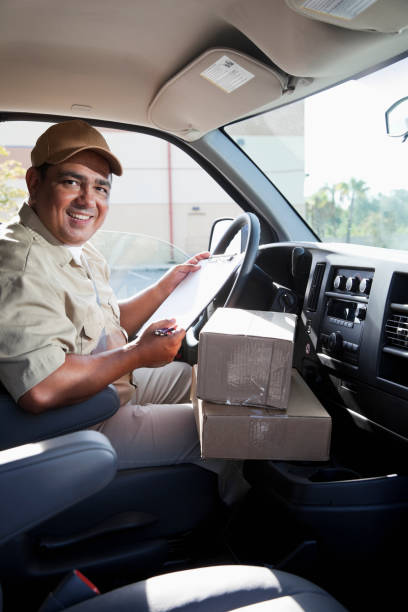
79 216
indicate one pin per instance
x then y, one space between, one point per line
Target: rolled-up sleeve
35 333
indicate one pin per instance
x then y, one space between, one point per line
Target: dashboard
352 339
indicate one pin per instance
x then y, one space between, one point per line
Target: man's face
72 199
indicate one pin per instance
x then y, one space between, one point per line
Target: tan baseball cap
63 140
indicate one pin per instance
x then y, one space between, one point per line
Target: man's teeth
78 216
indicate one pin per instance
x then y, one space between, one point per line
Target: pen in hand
164 331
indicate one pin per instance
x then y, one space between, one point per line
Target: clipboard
196 291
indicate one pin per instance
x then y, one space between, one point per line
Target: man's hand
155 351
135 311
81 376
175 275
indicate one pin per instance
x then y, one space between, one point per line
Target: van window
331 158
161 209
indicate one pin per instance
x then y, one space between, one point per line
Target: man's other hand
175 275
155 351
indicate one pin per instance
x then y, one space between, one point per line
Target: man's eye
70 182
104 190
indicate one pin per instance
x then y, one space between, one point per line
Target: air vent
315 286
393 359
396 331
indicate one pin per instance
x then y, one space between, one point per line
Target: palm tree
350 193
322 213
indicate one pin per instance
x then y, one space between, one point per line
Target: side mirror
218 229
396 119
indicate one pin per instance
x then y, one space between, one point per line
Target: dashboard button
340 282
335 342
352 283
365 285
361 313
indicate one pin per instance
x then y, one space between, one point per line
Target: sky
345 133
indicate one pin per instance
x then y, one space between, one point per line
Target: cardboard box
245 358
302 433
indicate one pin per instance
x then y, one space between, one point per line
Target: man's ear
33 180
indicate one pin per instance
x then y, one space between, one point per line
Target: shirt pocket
92 329
114 312
114 306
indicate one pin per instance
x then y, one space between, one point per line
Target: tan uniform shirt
49 307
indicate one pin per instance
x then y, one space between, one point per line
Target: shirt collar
30 219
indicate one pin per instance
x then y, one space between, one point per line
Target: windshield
330 156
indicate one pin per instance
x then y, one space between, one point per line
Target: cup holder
333 475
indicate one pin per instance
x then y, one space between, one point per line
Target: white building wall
140 199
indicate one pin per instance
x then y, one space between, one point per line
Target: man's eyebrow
103 182
81 177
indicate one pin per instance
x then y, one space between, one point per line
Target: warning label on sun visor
345 9
227 74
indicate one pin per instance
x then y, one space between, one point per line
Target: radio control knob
335 342
340 282
352 283
365 285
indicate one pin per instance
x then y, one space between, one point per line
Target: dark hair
43 169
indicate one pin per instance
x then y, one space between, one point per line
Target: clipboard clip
221 257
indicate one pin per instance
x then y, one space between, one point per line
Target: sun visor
386 16
219 86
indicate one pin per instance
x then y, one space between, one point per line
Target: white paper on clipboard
196 291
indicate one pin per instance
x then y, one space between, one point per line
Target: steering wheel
249 223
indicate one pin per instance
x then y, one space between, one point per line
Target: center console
344 313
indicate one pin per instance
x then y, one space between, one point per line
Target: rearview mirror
396 119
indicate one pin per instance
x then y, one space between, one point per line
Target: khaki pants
158 428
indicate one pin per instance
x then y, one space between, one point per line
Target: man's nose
87 195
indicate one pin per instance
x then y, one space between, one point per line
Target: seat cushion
216 589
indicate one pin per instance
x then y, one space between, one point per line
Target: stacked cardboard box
245 358
249 403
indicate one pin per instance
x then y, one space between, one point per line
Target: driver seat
142 519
